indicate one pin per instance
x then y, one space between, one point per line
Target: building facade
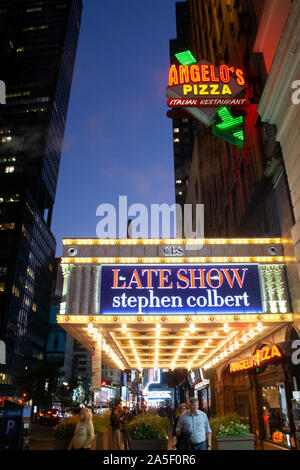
252 191
38 48
125 337
183 128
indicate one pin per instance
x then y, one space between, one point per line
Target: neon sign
190 81
204 73
203 90
176 289
265 354
230 129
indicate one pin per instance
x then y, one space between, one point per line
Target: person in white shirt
84 432
195 422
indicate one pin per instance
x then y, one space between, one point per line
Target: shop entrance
242 407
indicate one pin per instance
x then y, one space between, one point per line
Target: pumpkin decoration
277 436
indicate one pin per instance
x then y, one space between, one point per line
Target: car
75 412
49 416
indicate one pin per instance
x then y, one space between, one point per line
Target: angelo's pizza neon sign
265 354
193 86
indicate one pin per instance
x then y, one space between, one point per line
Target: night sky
118 140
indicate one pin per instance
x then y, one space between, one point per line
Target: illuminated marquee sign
180 289
158 394
261 356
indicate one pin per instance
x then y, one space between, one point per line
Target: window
9 169
7 226
176 140
12 198
3 270
176 130
6 139
275 414
2 287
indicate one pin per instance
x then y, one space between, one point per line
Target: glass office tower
38 42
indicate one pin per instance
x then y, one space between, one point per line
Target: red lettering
235 276
163 278
208 278
195 278
135 280
264 353
205 73
184 74
182 278
195 73
149 276
173 76
275 351
212 74
224 73
240 77
116 278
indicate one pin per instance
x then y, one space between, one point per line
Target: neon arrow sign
230 129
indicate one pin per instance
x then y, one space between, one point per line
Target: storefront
201 389
135 306
261 386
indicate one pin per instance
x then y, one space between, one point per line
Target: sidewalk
41 438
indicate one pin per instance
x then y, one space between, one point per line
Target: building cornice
276 99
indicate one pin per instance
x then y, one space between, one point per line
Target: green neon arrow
186 58
230 129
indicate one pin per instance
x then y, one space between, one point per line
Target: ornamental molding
274 288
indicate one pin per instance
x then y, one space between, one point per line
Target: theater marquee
166 289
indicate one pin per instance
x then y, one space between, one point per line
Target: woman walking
84 432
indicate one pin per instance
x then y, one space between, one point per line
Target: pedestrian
116 425
84 432
125 419
194 423
182 408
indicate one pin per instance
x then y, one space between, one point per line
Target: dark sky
118 140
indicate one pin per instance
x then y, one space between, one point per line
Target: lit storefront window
7 226
2 287
275 414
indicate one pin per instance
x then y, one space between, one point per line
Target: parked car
49 416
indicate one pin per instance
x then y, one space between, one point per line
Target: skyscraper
183 127
38 42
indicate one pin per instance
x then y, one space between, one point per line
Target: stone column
96 367
85 290
74 304
66 270
94 300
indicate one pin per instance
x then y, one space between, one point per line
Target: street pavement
41 437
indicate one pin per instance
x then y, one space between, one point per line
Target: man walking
195 423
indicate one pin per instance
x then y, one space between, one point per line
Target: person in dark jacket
116 425
182 408
125 419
